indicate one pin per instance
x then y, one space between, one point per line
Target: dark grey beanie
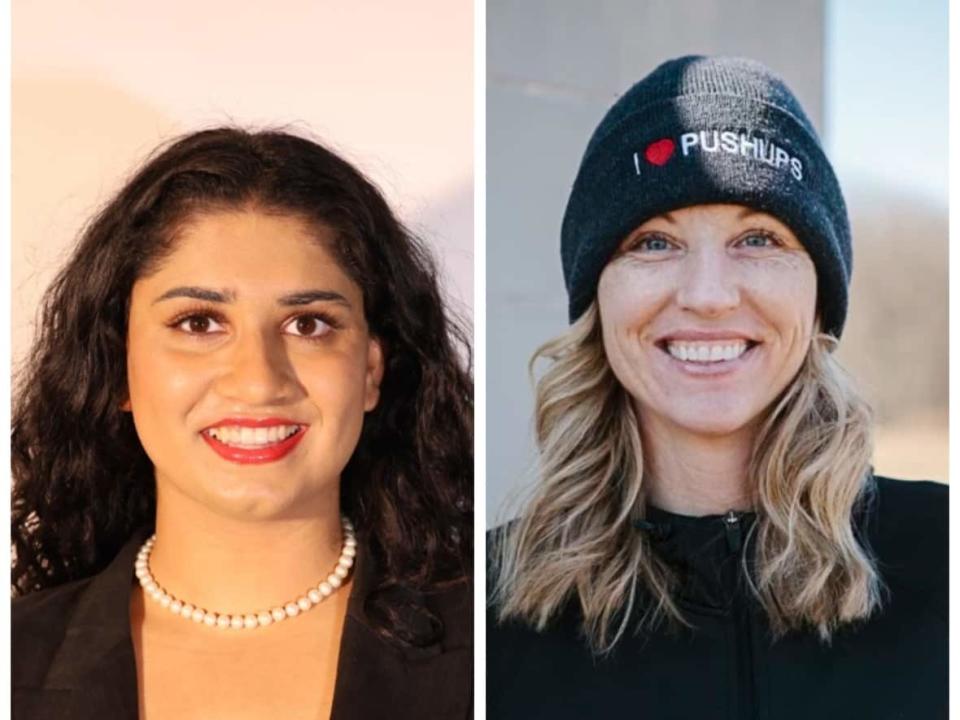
701 130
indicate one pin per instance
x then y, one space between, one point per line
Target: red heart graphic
659 151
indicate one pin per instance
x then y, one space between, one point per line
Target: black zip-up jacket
892 666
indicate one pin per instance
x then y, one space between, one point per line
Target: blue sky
886 94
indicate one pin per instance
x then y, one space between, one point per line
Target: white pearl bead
313 596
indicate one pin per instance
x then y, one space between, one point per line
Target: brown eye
198 324
306 325
310 326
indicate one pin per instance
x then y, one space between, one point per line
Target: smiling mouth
252 438
707 353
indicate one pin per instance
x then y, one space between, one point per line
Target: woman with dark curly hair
242 453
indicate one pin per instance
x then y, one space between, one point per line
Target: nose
709 285
258 371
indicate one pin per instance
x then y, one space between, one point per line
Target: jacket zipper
743 631
731 524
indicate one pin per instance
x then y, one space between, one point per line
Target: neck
692 474
234 565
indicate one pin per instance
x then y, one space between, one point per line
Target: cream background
96 85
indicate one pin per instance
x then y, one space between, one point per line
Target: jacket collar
96 663
709 552
706 552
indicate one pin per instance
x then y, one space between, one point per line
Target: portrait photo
717 409
242 395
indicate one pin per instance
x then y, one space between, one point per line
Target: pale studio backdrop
96 85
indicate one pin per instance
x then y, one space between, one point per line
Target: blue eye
652 243
759 240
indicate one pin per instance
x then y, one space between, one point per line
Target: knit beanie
701 130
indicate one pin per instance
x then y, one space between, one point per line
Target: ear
374 373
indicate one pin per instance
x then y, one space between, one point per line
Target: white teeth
252 437
707 352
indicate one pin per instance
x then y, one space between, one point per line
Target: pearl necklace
313 596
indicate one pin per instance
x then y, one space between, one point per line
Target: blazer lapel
377 678
93 674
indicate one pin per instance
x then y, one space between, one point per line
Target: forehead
252 251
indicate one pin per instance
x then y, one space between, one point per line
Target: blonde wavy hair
575 539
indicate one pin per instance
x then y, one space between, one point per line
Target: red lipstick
264 454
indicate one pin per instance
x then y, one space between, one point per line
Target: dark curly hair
82 481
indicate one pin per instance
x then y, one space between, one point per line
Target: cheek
160 376
629 296
629 300
790 297
336 384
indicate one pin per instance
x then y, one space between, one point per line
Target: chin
253 501
714 421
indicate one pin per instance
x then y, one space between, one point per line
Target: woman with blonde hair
707 538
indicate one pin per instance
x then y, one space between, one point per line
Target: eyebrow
300 297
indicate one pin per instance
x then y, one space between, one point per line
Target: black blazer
73 654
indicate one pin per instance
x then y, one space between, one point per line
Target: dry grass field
896 340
